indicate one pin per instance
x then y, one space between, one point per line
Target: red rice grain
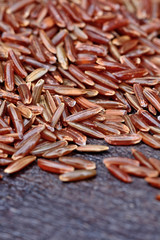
119 161
16 166
141 158
155 182
139 171
119 173
78 163
77 175
158 197
54 167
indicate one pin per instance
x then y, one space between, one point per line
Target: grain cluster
76 69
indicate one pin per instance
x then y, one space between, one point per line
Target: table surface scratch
35 205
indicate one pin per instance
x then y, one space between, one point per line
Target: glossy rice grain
16 166
139 123
48 146
67 91
9 76
27 147
59 37
5 161
86 130
37 50
152 97
36 74
119 173
78 137
47 41
18 5
18 67
25 93
7 148
150 140
61 151
82 115
61 57
115 23
54 167
139 171
154 182
149 118
35 63
70 50
95 37
77 73
5 130
47 135
132 73
92 148
118 126
91 48
139 95
57 114
16 119
132 100
124 139
6 139
9 96
102 79
37 91
120 161
56 15
144 161
77 175
104 128
34 130
155 163
80 34
77 162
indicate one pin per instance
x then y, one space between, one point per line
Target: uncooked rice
73 69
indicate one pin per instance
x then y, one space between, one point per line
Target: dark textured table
35 205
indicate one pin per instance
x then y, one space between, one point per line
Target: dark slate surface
35 205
